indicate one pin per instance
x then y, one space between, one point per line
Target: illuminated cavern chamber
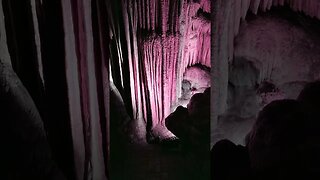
161 39
57 51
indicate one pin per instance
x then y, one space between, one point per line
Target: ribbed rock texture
55 56
163 38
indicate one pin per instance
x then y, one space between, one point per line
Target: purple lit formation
161 49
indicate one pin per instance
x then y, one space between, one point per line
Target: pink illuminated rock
199 78
159 57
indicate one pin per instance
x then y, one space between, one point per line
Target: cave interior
107 89
89 86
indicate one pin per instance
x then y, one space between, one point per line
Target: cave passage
142 89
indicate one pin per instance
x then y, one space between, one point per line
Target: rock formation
263 51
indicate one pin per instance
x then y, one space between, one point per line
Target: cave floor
155 162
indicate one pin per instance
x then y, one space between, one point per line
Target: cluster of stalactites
184 40
238 10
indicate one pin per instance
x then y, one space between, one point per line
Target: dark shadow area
283 143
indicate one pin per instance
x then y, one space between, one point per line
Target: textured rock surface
58 52
195 80
274 55
26 151
227 18
163 40
198 77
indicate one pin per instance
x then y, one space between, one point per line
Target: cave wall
162 39
229 46
57 55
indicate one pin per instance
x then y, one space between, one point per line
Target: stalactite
244 8
74 92
83 84
237 15
37 38
4 52
196 36
254 5
156 40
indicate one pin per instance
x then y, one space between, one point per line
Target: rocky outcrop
191 124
